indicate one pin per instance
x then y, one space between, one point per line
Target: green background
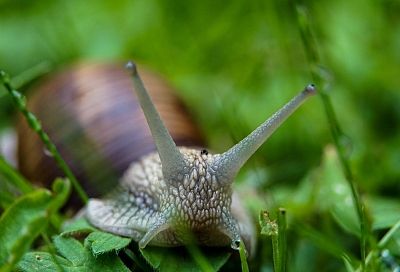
234 63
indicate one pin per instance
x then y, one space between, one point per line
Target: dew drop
47 152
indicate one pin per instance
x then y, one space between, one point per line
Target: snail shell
91 114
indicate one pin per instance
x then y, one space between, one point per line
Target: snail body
174 195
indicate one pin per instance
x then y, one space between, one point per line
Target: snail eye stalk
230 162
171 158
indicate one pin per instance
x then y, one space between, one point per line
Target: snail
171 192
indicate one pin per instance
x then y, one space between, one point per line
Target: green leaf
243 259
178 259
25 219
335 194
30 74
103 242
385 212
43 262
79 226
13 177
61 188
281 240
323 241
7 196
199 258
71 249
75 257
393 242
347 263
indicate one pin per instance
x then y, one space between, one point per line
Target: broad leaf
335 193
165 259
71 249
78 226
385 212
75 258
103 242
45 262
99 242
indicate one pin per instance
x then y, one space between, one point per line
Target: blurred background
233 64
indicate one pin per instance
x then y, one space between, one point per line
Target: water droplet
47 152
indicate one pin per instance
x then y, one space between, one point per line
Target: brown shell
90 112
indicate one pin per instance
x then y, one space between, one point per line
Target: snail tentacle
160 225
231 229
171 159
228 164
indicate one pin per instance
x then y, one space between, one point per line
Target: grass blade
382 243
199 258
14 177
31 74
311 50
282 240
279 246
243 258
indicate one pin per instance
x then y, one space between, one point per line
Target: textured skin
189 194
151 210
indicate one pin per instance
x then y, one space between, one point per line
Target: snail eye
204 152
